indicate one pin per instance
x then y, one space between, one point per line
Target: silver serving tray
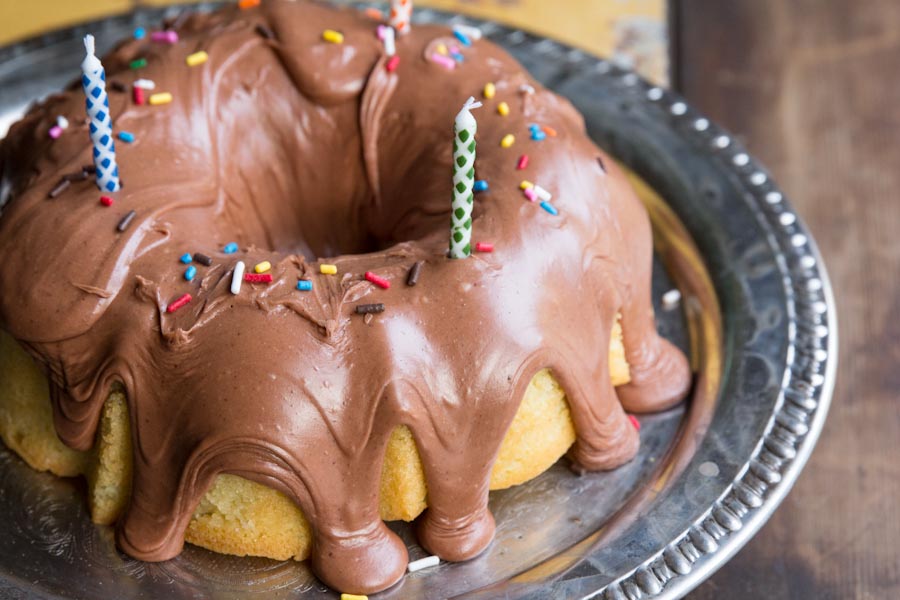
708 475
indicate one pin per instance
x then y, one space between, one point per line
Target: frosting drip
306 152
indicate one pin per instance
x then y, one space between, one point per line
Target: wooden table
812 89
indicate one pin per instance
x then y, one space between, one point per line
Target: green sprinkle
139 63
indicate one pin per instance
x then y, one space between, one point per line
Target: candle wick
471 103
89 44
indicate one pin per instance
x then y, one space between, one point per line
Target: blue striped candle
93 81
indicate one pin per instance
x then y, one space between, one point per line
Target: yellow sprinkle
335 37
328 269
442 49
263 267
525 185
197 58
508 140
503 108
489 90
161 98
353 597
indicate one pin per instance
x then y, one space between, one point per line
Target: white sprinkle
473 33
526 89
671 299
62 122
543 194
423 563
145 84
390 43
237 278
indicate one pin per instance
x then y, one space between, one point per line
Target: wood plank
811 88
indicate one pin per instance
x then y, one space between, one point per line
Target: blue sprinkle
126 136
190 272
457 56
463 38
186 258
304 285
538 136
549 208
534 127
480 186
140 33
230 248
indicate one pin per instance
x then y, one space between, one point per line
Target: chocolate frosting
307 152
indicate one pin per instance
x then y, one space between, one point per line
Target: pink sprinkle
55 132
529 193
635 422
484 247
381 32
178 303
523 162
393 63
165 37
454 49
445 61
106 201
379 281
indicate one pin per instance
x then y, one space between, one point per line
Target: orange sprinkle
549 130
245 4
374 13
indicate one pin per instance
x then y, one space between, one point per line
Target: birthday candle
93 80
464 129
401 13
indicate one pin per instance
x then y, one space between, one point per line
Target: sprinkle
60 187
160 98
549 131
118 86
602 165
480 186
106 201
55 132
262 267
549 208
379 281
335 37
258 278
503 109
140 33
508 140
62 122
423 563
390 41
126 136
202 259
138 96
178 303
525 185
526 89
538 135
77 176
190 273
230 248
463 38
197 58
245 4
635 422
490 90
237 277
543 194
447 63
304 285
484 247
392 64
126 221
374 14
529 193
523 162
328 269
369 309
671 299
457 57
442 49
186 258
265 32
164 37
138 64
147 84
412 278
353 597
473 33
534 127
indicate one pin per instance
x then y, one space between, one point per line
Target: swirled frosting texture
305 152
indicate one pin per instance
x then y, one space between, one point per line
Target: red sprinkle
138 94
523 162
484 247
178 303
379 281
393 63
106 201
635 422
258 278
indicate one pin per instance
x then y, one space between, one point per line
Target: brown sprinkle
61 187
79 176
118 86
202 259
126 221
413 277
265 32
368 309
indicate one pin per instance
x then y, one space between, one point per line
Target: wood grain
811 87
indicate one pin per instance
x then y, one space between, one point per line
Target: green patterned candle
464 129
